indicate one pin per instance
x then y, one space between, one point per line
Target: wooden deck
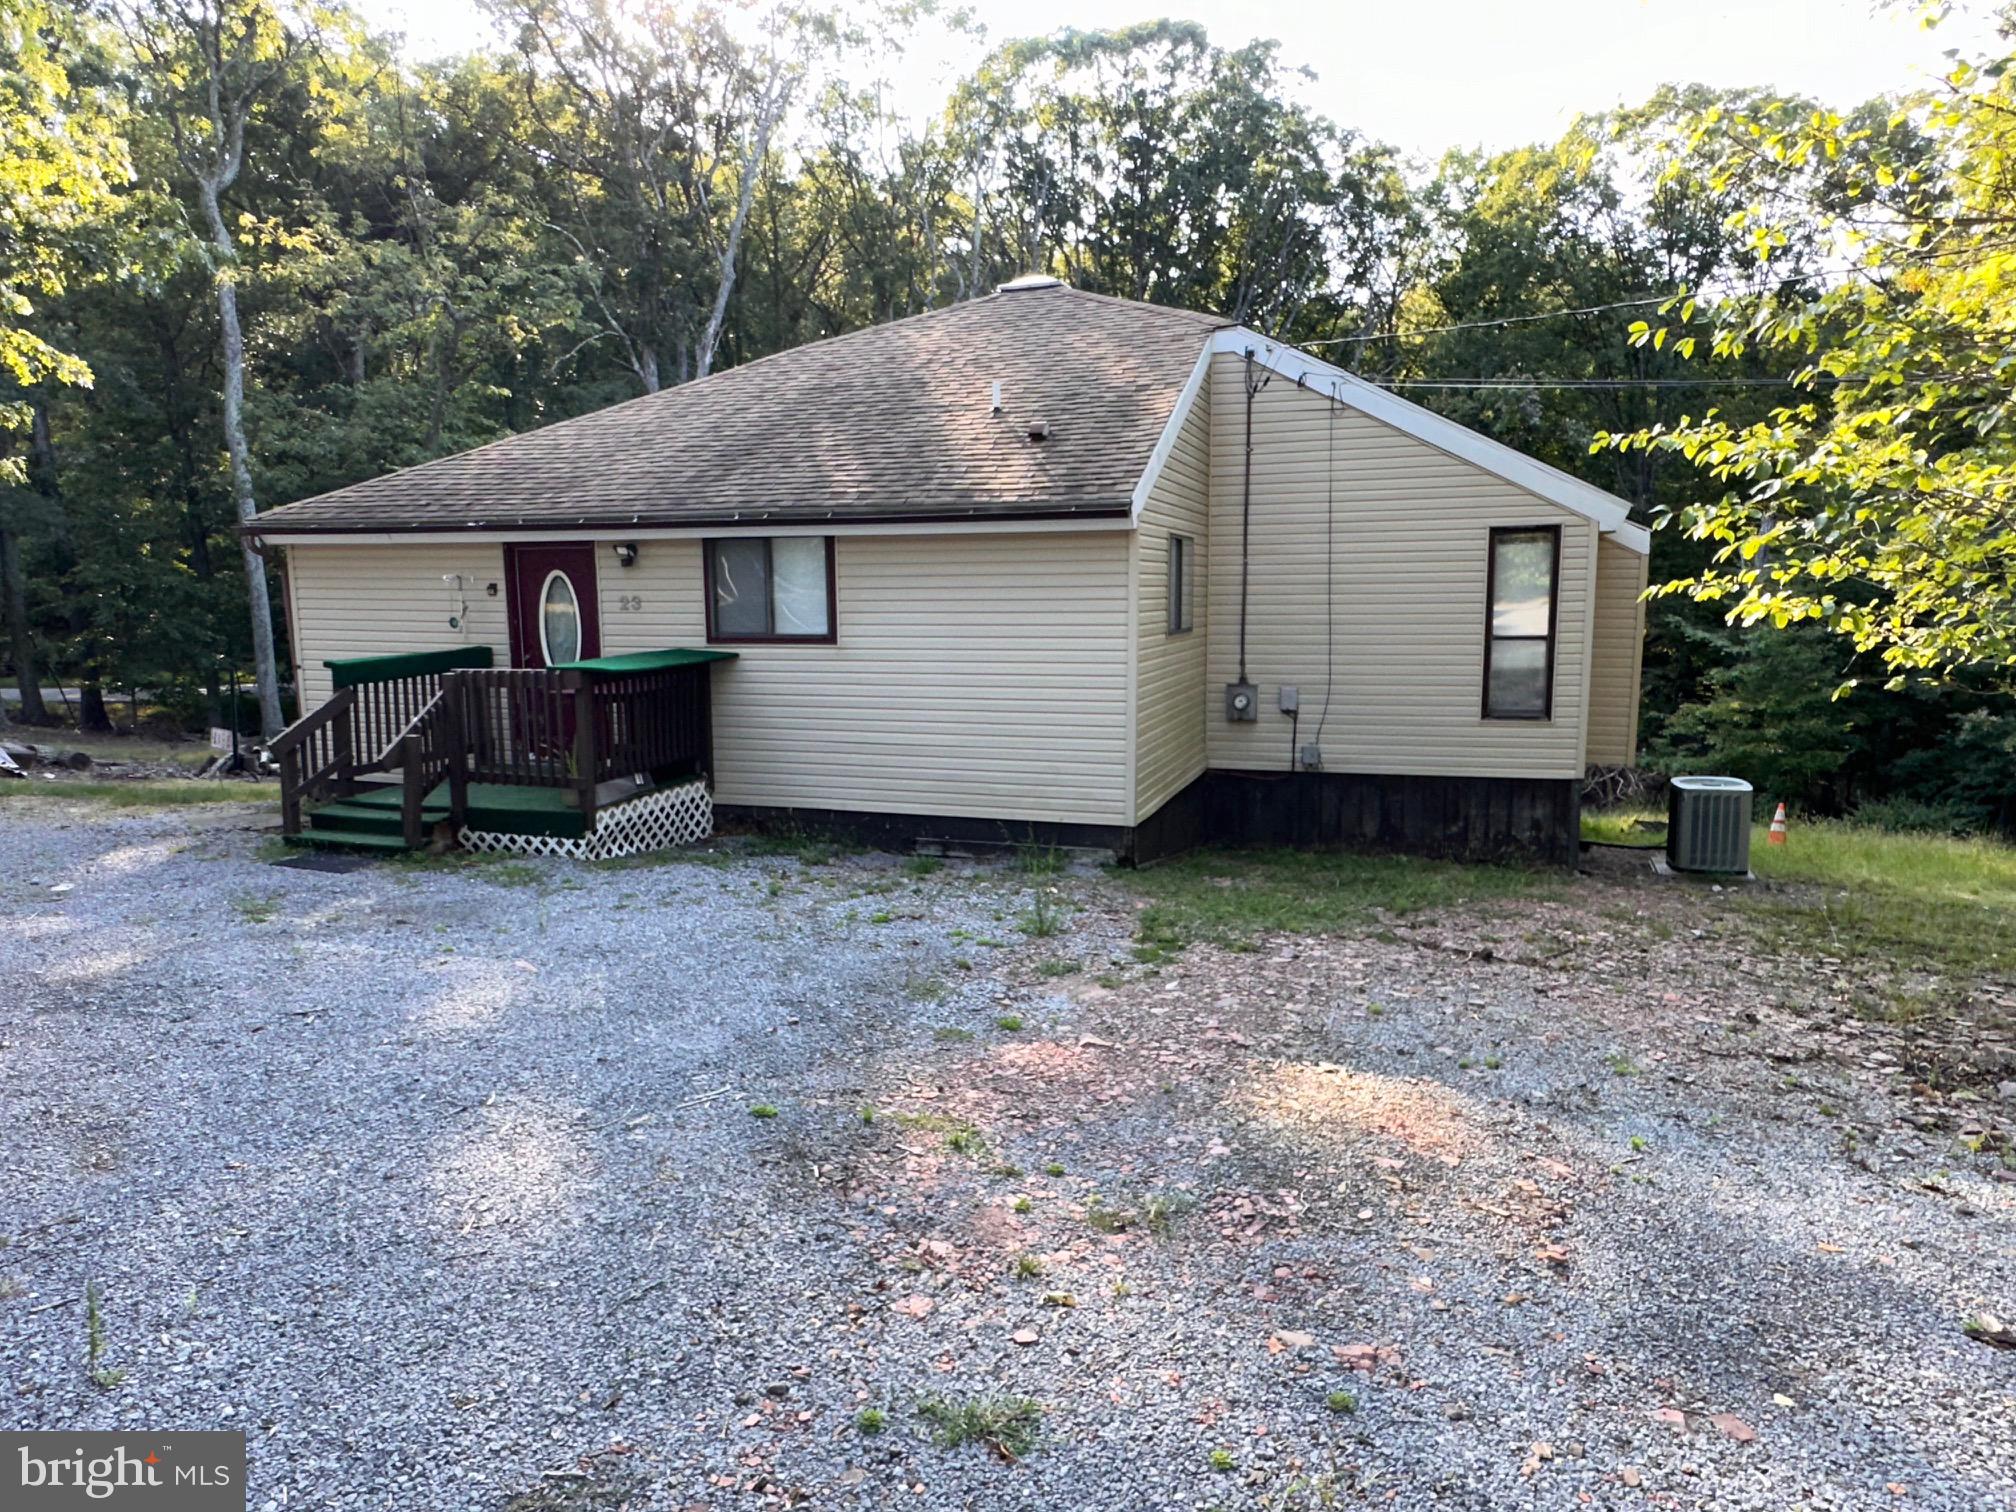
520 751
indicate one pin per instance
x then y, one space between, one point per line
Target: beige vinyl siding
1169 677
1412 546
1616 655
379 600
975 675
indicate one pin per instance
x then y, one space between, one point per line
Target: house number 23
630 603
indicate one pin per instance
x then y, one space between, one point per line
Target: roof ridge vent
1030 281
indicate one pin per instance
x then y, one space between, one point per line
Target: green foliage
1007 1425
1876 500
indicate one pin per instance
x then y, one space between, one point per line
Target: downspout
1246 518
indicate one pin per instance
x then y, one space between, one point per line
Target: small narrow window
1519 633
1182 594
770 588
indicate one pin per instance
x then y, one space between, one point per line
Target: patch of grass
94 1341
255 910
882 916
951 1034
1012 1022
1162 1212
967 1141
867 1114
1228 897
1110 980
1640 1143
870 1421
1053 1169
1007 1425
1914 898
1029 1267
1020 1205
143 792
762 1110
1056 967
1222 1461
923 866
808 846
1621 1064
1341 1402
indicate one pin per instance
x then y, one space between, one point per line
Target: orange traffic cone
1777 835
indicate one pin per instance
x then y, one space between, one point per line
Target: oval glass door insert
559 620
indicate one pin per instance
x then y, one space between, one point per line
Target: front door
553 611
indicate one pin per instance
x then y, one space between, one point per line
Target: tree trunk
265 666
92 718
20 642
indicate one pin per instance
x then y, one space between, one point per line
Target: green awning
647 661
351 671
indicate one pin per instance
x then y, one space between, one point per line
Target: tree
1881 501
60 153
210 66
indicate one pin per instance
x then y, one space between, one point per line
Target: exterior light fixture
626 553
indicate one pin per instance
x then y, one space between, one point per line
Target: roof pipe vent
997 396
1039 430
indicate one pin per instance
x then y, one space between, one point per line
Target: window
1519 634
559 620
770 588
1182 593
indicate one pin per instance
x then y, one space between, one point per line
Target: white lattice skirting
656 821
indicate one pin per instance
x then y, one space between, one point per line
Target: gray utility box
1708 825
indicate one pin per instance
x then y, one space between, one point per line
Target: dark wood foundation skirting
1465 818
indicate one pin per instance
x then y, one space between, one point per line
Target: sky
1434 74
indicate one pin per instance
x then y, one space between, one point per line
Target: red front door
554 616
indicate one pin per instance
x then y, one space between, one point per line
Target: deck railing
391 692
317 756
429 749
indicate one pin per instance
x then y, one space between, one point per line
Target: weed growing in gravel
1053 1169
1056 968
1110 980
870 1421
762 1110
1007 1425
967 1141
94 1342
1640 1142
1493 1062
1039 860
926 989
882 916
949 1034
1012 1022
1162 1212
256 910
1045 917
1222 1461
1621 1064
12 1287
923 866
1029 1267
1020 1205
1341 1402
1376 1010
867 1115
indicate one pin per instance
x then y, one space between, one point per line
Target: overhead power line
1603 383
1486 325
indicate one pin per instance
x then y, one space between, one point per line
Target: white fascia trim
1610 513
1178 418
1066 525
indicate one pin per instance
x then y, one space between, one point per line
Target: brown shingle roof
890 422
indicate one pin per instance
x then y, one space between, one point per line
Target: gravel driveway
446 1188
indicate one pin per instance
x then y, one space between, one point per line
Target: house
1045 565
